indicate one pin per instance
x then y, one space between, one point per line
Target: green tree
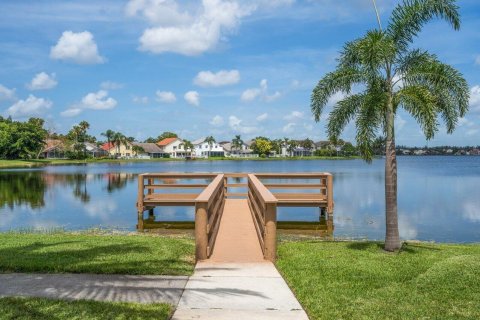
291 146
166 134
237 143
262 146
393 76
109 135
188 145
307 144
348 149
137 150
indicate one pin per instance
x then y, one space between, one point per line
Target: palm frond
422 105
342 113
340 80
369 120
408 18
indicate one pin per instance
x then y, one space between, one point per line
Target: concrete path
140 289
237 291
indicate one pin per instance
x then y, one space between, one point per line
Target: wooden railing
208 211
321 181
263 206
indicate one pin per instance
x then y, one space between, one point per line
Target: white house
204 150
174 147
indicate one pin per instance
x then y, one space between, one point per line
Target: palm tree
292 144
109 135
210 140
119 139
188 145
237 143
137 149
393 75
285 143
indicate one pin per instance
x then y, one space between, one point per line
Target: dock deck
232 226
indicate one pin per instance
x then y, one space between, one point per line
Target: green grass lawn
39 308
92 253
358 280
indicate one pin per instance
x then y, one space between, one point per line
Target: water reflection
438 196
30 188
322 228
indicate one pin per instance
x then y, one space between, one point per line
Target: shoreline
38 163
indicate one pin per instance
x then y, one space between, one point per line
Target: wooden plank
236 185
180 175
177 186
294 186
299 175
236 175
236 194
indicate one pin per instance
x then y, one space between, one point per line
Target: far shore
9 164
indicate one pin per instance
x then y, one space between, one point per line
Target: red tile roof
166 141
107 146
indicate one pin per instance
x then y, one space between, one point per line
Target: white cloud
76 47
289 127
165 96
192 97
7 94
273 97
98 101
399 122
236 125
464 122
140 100
42 81
260 92
262 117
220 78
32 106
250 94
179 31
71 112
475 98
110 85
217 121
294 115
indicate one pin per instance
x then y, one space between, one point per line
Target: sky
211 67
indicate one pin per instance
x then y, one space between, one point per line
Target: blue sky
202 67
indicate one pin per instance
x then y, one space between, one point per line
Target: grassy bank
5 164
46 309
92 253
358 280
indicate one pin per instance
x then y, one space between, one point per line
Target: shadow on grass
28 308
123 258
364 245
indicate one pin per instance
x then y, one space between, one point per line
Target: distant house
150 150
94 151
243 152
121 151
174 147
203 150
54 149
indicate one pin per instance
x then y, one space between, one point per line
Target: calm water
439 197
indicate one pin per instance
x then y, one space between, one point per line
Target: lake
439 197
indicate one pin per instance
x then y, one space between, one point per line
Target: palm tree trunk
392 239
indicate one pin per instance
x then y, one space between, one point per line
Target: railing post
330 194
201 236
140 207
150 182
270 232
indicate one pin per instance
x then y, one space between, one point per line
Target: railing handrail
293 175
207 194
265 194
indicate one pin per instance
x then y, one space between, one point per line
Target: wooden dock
232 226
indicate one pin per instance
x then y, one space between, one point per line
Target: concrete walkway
237 291
140 289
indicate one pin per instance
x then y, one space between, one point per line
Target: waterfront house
174 147
150 150
94 151
204 150
124 150
54 149
243 152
